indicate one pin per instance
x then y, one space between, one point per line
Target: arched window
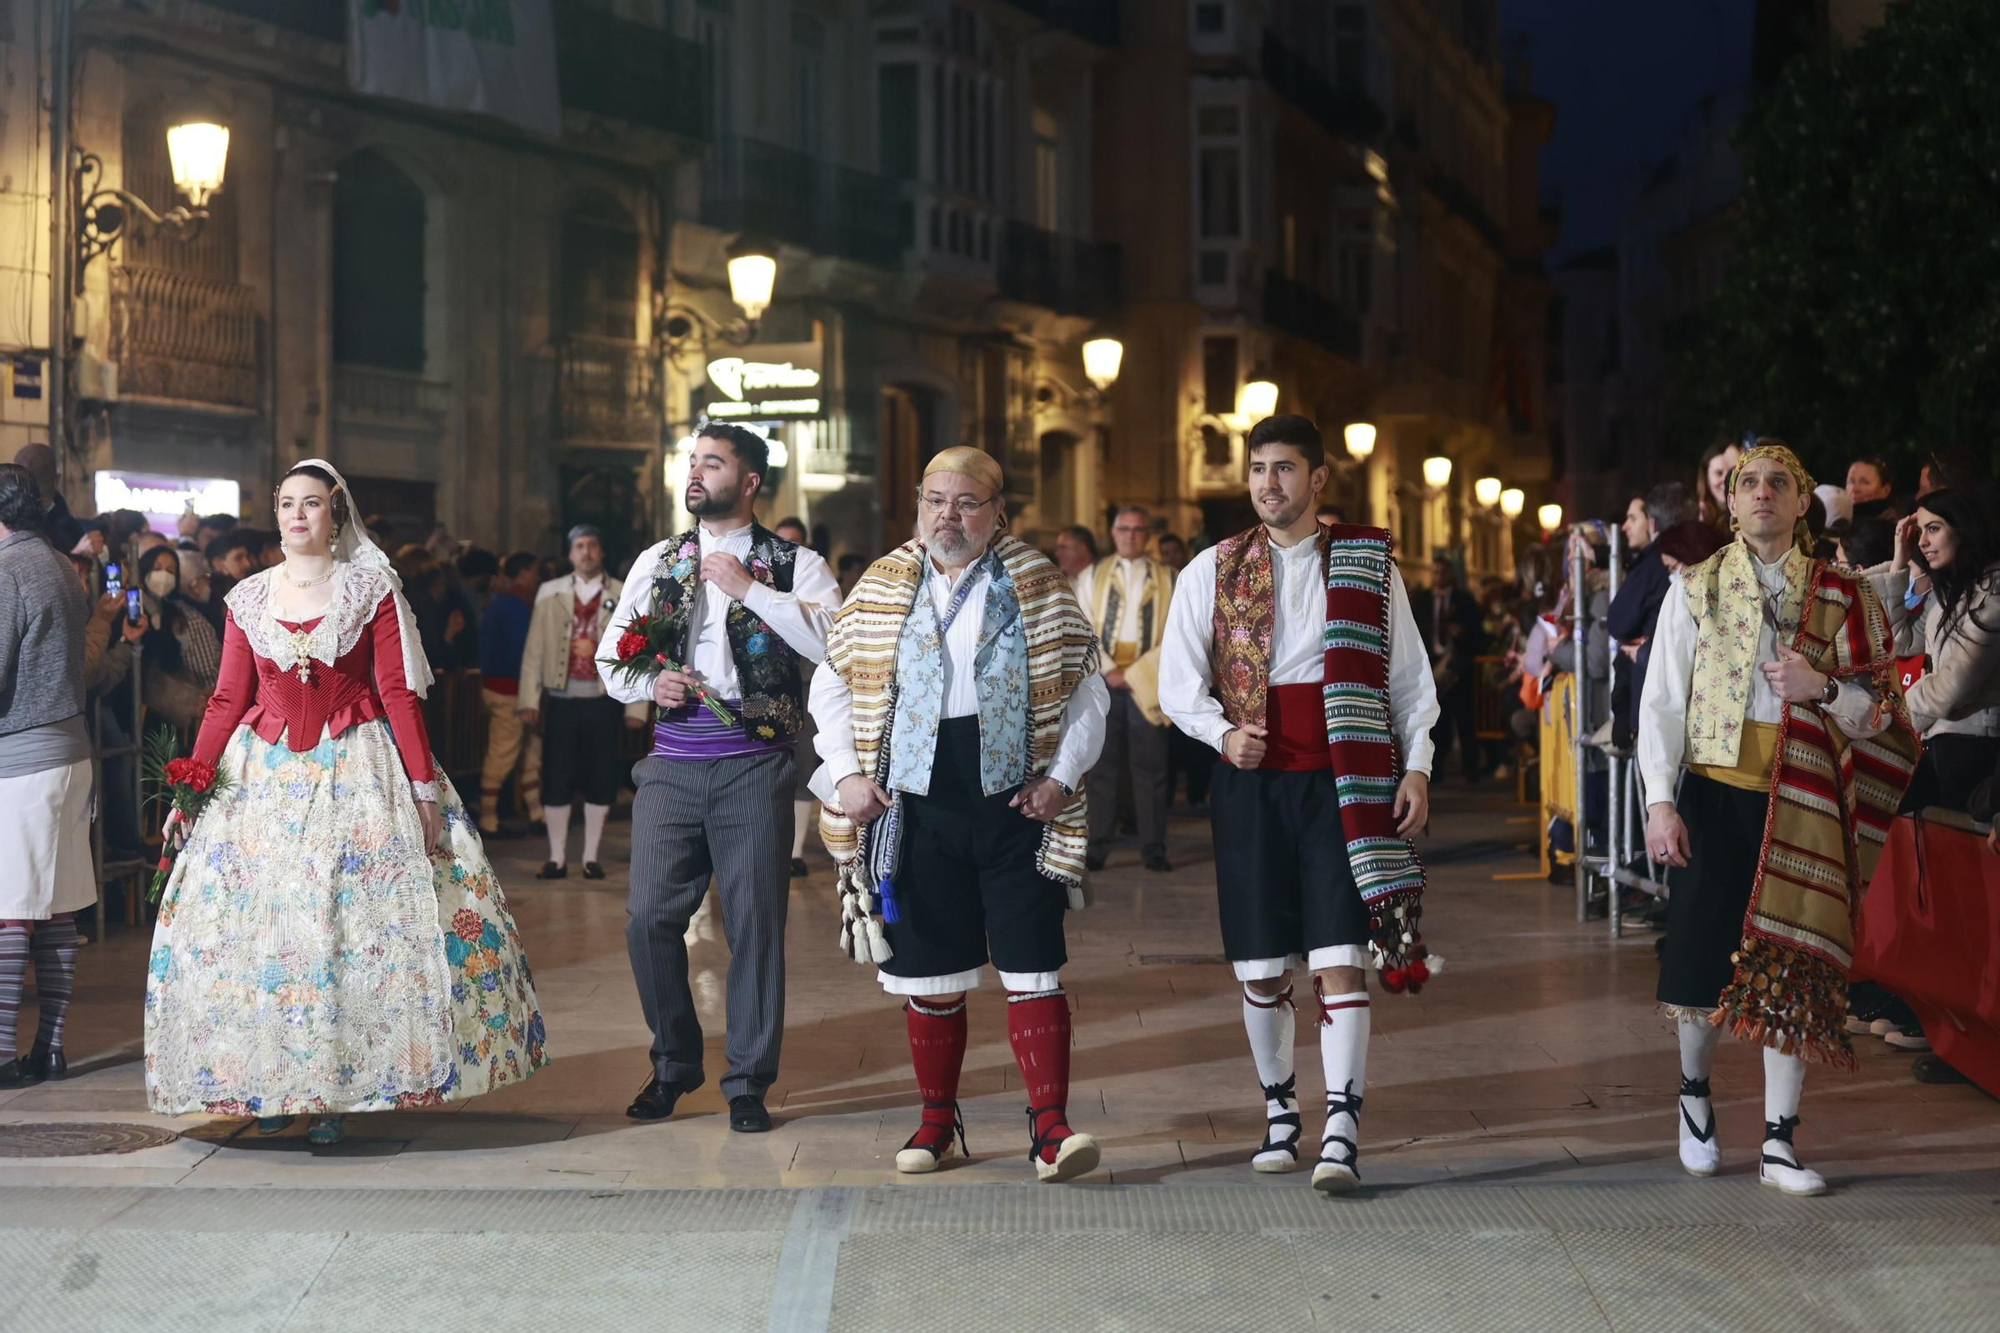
378 265
600 270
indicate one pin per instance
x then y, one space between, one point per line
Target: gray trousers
1130 741
730 819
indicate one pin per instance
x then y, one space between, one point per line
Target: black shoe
799 870
656 1100
1158 862
41 1062
1093 862
747 1114
1932 1068
11 1075
592 870
550 870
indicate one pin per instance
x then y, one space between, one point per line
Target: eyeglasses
966 507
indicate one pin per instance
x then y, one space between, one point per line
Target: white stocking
593 829
558 817
1343 1051
1271 1023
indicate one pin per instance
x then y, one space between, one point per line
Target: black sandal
1282 1094
915 1159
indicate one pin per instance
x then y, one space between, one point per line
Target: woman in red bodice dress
332 938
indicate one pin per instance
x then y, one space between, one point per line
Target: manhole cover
80 1140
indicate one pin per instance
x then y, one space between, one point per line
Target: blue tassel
885 899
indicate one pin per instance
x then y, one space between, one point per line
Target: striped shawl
1062 653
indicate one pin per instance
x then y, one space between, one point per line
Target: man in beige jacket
1126 596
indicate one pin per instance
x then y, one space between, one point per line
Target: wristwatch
1067 790
1831 692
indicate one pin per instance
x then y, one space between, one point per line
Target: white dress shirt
801 617
1663 708
832 702
1298 650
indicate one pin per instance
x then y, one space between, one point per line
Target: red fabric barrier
1930 931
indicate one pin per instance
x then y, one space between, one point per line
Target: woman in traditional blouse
332 938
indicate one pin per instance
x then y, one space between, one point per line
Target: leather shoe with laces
747 1114
656 1100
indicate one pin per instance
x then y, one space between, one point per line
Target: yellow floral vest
1727 600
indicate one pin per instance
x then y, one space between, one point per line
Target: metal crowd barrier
134 869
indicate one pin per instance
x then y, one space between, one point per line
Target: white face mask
161 583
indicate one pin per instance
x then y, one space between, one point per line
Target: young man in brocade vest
1773 678
1291 650
959 710
748 612
1126 596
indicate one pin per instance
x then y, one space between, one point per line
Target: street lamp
1512 501
198 151
1437 472
1550 517
1360 437
1102 357
1487 491
753 272
1257 399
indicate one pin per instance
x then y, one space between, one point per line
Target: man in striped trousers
748 612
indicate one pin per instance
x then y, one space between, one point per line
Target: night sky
1623 75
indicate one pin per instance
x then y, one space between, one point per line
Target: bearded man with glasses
958 714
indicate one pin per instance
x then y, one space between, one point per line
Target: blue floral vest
1001 664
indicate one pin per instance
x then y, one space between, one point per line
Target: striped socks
13 977
54 947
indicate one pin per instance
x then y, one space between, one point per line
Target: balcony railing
391 396
1304 313
630 71
1067 275
751 185
317 18
1346 113
175 335
607 392
1093 20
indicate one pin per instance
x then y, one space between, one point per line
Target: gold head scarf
1778 451
977 464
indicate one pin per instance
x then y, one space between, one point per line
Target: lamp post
1550 516
1103 356
1487 491
1512 501
1257 399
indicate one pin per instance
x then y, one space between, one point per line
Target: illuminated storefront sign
773 381
163 499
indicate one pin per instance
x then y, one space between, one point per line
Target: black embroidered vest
767 670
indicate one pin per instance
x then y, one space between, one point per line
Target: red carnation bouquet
186 785
642 655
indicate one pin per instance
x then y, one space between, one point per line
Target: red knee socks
1038 1029
937 1050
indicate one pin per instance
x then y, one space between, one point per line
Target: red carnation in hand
631 644
193 774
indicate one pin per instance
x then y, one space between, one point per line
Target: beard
703 503
949 541
1289 513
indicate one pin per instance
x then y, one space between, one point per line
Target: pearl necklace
308 583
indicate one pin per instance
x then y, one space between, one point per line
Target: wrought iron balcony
1304 313
390 397
607 392
1346 113
630 71
751 185
178 336
1067 275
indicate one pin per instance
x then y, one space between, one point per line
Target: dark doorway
909 440
607 497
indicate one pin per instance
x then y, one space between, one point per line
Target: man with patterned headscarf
958 713
1773 678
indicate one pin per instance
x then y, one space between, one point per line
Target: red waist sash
1296 718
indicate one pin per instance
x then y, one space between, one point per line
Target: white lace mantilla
357 591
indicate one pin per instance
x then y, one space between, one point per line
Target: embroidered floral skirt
309 957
